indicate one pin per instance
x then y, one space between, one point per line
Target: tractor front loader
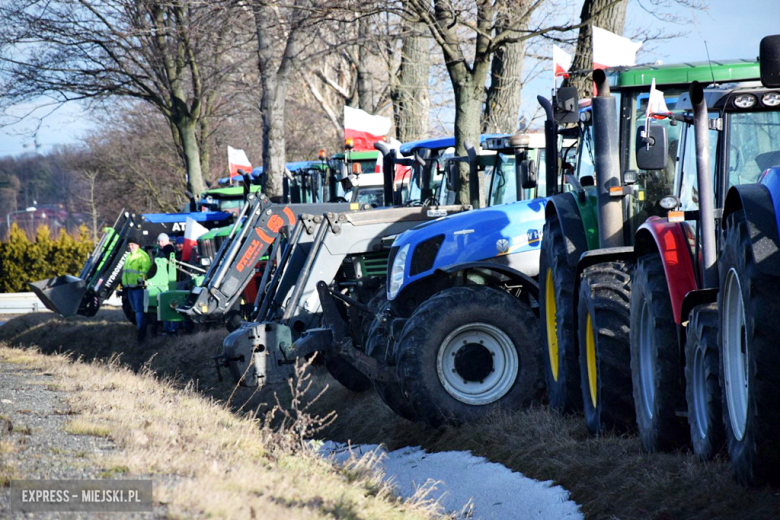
317 296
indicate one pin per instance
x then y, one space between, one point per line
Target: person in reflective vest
134 281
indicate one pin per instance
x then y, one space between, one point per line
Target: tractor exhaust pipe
388 170
605 144
706 192
473 175
550 146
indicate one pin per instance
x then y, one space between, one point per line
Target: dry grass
609 477
81 427
224 465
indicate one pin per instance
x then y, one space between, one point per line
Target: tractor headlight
745 101
771 99
397 273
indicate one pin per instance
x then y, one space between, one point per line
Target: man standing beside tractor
134 280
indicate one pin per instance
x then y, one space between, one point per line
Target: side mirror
652 150
346 184
526 173
453 176
769 61
566 109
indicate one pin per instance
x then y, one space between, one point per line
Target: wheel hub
473 362
477 364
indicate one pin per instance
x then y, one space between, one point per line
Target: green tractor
587 255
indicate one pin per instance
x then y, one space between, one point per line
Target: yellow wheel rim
590 351
552 329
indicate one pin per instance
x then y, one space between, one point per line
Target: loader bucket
62 294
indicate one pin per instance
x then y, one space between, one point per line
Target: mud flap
62 294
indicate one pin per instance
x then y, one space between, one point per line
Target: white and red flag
192 232
611 50
364 129
656 103
561 62
237 159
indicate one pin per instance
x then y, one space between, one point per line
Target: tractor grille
373 265
425 254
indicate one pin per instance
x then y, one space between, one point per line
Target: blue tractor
749 298
459 325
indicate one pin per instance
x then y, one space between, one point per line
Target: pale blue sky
732 28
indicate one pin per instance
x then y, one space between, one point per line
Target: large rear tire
559 327
467 351
604 354
750 358
655 360
702 385
380 348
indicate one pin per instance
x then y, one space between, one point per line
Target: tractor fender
670 241
515 277
568 212
694 298
761 204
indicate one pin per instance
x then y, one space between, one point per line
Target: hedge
23 260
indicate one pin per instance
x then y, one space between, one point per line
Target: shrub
23 260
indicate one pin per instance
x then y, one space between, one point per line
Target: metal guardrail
26 302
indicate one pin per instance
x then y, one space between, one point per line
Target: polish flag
656 104
561 62
364 129
237 159
611 50
192 232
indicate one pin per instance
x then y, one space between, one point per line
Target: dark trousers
136 297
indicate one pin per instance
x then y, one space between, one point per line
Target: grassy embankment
610 477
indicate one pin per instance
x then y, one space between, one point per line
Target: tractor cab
356 177
228 199
515 166
305 182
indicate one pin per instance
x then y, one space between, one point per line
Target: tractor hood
507 233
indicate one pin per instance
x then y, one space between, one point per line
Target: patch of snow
490 490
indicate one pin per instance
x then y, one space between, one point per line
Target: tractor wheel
605 360
750 359
655 360
378 346
128 309
702 387
559 335
467 351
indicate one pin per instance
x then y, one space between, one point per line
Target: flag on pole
561 62
611 50
192 232
364 129
656 104
237 159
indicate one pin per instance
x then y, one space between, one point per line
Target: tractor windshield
436 167
687 180
651 186
754 145
504 184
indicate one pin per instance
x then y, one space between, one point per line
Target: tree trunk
364 90
468 105
189 141
502 106
504 95
609 15
274 150
411 101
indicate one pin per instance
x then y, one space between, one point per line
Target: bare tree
158 51
605 14
88 198
469 33
411 99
